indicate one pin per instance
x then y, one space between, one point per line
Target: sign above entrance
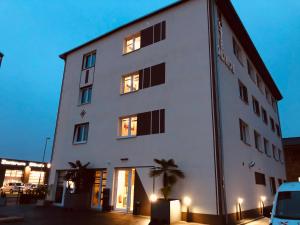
12 163
33 164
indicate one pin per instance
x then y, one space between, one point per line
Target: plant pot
79 201
40 202
165 212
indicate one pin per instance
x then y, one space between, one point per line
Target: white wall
185 96
239 179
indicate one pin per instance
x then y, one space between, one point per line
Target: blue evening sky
33 33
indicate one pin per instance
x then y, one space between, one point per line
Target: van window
288 206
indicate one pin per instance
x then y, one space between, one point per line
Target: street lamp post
44 153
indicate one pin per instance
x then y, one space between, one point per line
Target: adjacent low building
292 158
185 82
23 171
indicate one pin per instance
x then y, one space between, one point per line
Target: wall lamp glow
48 165
263 199
153 198
187 202
240 202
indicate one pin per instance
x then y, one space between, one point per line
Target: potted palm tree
79 182
161 210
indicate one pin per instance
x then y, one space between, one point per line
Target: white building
184 82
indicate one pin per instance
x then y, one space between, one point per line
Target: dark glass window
260 178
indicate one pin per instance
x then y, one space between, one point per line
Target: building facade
186 83
22 171
291 148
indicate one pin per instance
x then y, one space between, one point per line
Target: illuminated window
128 126
36 177
130 83
81 133
132 43
89 60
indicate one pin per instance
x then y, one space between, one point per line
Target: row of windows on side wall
254 76
260 143
257 109
260 179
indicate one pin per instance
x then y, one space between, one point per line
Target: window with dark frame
256 107
264 115
145 37
259 83
85 95
272 185
237 51
257 141
243 92
275 153
278 132
267 147
89 60
244 132
272 124
251 71
146 123
81 133
260 178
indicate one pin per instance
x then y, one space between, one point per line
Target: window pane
129 45
83 96
125 127
127 84
89 95
88 61
93 60
133 126
137 43
85 132
79 134
135 82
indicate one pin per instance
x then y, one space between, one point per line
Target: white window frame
93 60
129 126
131 78
82 140
88 99
134 38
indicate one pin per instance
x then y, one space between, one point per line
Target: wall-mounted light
262 199
48 165
240 202
153 198
187 202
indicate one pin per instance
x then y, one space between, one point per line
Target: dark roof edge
240 31
234 22
291 141
64 55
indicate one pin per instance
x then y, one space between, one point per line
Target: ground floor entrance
100 179
124 190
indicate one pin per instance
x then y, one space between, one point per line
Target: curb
10 219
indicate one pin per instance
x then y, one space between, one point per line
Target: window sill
131 92
125 137
79 143
83 69
83 104
126 53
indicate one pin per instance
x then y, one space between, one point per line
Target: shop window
132 43
36 177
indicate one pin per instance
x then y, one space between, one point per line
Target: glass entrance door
98 186
124 190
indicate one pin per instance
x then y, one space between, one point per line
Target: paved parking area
57 216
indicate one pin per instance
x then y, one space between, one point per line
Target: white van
286 207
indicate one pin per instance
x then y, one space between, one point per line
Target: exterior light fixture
187 202
240 202
48 165
153 198
263 199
